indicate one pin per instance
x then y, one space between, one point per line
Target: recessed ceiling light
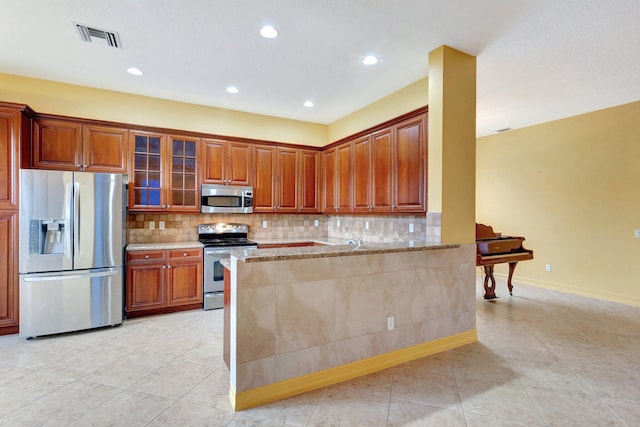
134 71
232 89
369 60
308 103
269 32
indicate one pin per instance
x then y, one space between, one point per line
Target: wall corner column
452 143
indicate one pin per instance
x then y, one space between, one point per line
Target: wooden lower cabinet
8 272
163 281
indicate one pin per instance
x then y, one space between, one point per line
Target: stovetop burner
224 234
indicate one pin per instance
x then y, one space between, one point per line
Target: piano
494 248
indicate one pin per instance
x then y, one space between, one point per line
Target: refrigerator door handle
68 200
46 278
76 218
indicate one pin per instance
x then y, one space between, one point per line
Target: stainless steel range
219 240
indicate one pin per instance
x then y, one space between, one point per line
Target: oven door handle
226 249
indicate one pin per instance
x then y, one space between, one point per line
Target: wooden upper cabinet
264 178
57 145
329 178
10 140
410 163
105 149
382 171
69 145
362 179
164 173
226 162
183 189
147 182
309 197
344 178
287 179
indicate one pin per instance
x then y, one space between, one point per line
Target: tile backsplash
372 228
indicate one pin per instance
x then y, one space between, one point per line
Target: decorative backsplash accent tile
373 228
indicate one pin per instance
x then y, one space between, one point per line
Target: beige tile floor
543 359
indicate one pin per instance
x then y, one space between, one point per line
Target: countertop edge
161 246
260 255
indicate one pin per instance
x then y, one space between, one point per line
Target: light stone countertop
282 254
163 245
323 240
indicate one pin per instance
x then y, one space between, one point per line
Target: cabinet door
8 269
214 161
264 178
185 283
105 149
146 283
57 145
287 178
309 191
9 157
329 171
146 185
410 149
226 162
184 187
344 185
239 161
382 178
362 174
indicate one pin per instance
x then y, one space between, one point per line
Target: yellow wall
45 96
63 99
572 188
452 142
406 99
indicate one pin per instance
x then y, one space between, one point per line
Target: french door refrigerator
71 251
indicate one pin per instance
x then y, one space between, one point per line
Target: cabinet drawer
185 254
144 256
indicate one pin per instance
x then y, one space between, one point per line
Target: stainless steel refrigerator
71 251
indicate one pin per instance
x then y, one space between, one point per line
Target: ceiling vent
98 36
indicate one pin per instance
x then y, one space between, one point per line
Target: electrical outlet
264 224
390 322
366 225
337 223
547 267
410 227
316 223
152 225
161 225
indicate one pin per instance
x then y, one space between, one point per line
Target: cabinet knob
168 266
184 254
164 266
146 256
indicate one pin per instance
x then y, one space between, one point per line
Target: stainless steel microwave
226 199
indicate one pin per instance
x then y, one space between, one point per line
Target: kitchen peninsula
306 317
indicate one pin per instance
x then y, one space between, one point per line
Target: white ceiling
537 60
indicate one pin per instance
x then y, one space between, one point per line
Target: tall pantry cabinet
15 128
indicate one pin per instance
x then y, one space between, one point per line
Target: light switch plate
152 225
637 234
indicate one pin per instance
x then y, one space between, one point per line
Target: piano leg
512 267
489 290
